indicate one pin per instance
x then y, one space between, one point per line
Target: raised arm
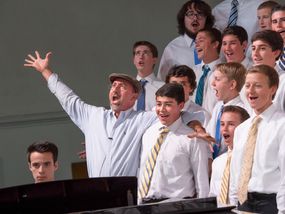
39 64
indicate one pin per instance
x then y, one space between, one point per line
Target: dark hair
239 110
183 71
272 38
198 5
237 31
215 35
278 8
171 90
267 4
271 73
151 46
42 147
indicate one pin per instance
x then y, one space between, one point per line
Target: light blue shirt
112 144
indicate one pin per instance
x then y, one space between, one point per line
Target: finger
48 55
31 57
37 55
29 61
28 65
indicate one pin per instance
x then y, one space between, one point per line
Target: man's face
121 95
229 122
42 166
258 92
168 110
222 86
233 50
262 53
204 45
278 23
264 18
143 59
194 20
185 83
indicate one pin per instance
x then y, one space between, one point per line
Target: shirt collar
174 126
267 114
188 40
149 78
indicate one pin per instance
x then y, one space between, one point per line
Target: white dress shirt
218 167
268 169
181 168
247 15
279 98
179 51
152 85
209 97
192 107
246 62
211 128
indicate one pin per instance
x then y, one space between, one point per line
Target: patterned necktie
150 164
141 99
247 161
281 61
218 136
200 88
234 13
224 192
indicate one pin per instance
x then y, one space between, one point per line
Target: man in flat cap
112 136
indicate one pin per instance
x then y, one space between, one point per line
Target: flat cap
135 83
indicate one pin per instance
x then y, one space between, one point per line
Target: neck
144 73
209 59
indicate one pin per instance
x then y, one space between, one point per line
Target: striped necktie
233 14
224 192
145 178
218 136
247 160
281 61
141 99
200 88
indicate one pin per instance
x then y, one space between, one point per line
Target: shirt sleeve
78 111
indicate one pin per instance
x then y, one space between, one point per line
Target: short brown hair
271 73
237 109
233 71
151 46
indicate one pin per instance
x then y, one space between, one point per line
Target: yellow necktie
224 193
247 161
150 164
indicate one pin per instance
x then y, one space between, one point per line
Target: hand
41 65
82 154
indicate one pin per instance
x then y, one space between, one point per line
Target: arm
39 64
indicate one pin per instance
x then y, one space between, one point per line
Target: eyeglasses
145 52
192 15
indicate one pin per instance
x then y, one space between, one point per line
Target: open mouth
115 97
252 98
141 63
226 136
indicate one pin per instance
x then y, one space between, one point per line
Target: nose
41 169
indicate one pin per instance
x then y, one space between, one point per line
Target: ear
181 105
244 45
273 90
233 84
135 96
276 53
30 167
216 44
55 165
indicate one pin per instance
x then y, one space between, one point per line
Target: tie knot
143 82
164 130
235 2
257 120
205 69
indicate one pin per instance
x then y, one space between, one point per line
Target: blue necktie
141 99
281 62
197 61
200 88
218 136
234 13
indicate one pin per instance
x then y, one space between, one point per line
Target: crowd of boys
219 97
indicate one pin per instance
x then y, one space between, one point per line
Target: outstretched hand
37 62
